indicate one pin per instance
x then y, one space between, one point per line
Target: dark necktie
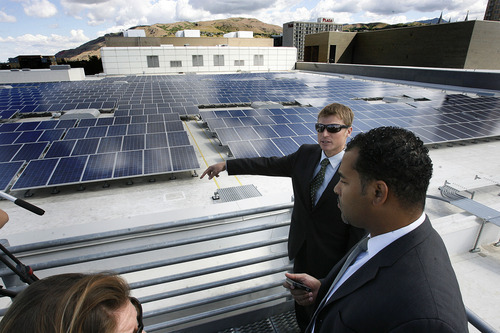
318 180
361 246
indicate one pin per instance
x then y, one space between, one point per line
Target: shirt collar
335 159
379 242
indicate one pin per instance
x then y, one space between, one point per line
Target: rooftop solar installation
139 131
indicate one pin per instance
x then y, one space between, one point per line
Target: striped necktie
318 180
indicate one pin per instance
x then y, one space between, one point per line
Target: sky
45 27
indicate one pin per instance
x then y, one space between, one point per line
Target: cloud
4 17
39 8
42 44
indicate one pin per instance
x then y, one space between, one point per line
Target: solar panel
147 114
133 142
178 139
36 174
60 148
99 167
8 171
7 152
110 144
85 146
157 161
69 170
156 140
184 158
128 164
30 151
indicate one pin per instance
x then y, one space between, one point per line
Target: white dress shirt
375 245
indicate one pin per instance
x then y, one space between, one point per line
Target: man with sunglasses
318 238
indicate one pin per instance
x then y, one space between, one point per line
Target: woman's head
73 303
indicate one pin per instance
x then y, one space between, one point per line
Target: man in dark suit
404 282
318 238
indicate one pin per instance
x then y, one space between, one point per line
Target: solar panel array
139 132
434 115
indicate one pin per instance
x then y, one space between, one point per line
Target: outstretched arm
214 170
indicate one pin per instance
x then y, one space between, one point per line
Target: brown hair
340 110
68 303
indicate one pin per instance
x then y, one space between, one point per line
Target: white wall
133 60
42 75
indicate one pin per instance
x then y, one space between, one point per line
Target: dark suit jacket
320 229
409 286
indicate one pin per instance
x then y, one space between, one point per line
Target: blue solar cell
173 126
265 120
69 170
178 139
36 174
51 135
76 133
8 127
60 148
283 130
136 129
266 148
157 161
28 126
301 129
122 120
97 132
116 130
133 142
242 149
156 127
29 136
247 133
215 123
286 145
139 119
99 167
7 172
184 158
226 135
154 118
156 140
66 123
47 124
110 144
87 122
105 121
85 147
7 152
9 137
128 163
30 151
265 131
304 139
233 122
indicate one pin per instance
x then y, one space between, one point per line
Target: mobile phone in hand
298 285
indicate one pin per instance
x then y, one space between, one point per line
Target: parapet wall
454 77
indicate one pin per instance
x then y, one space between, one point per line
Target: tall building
492 12
294 32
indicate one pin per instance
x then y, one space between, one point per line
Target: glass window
197 60
176 63
239 62
218 60
153 61
258 60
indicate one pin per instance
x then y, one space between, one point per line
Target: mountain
215 28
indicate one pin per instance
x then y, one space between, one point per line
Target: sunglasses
331 128
138 307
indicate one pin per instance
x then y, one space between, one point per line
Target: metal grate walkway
280 323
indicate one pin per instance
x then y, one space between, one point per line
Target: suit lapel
385 258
